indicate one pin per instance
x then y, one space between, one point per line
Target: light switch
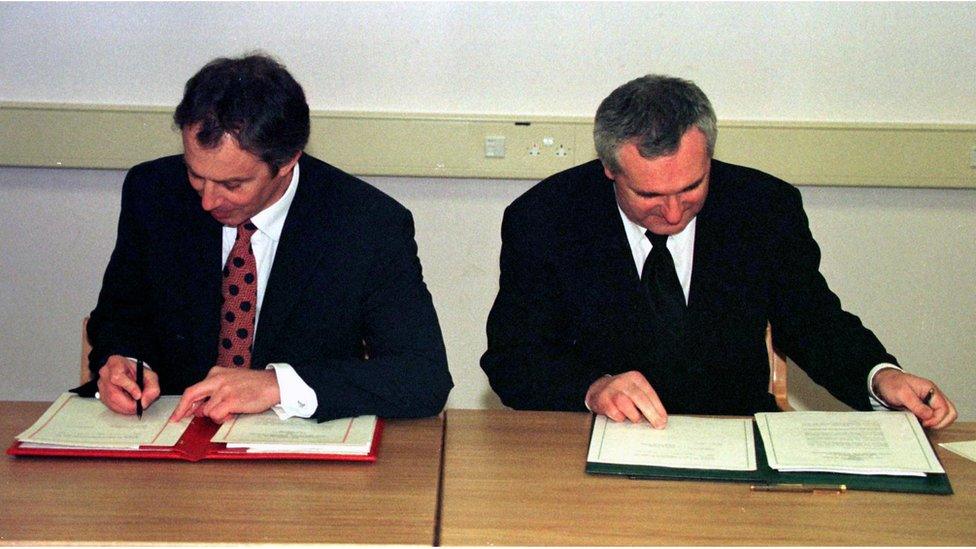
495 146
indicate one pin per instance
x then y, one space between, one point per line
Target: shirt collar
271 220
637 240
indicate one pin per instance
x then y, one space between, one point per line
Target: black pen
139 368
928 398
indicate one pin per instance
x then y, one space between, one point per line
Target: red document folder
195 445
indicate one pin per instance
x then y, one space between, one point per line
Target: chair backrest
85 349
777 373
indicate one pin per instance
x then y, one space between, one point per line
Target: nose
209 199
671 210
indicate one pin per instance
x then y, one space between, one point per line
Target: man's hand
117 385
627 396
902 390
227 391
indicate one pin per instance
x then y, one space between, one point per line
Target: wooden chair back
85 349
777 373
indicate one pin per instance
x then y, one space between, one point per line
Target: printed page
266 433
77 422
869 443
686 443
966 449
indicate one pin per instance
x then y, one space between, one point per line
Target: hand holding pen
904 391
140 367
119 388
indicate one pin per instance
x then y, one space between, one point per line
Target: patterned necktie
660 279
240 296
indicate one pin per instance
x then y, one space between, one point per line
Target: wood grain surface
517 478
104 502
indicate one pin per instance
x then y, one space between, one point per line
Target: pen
928 397
838 488
139 367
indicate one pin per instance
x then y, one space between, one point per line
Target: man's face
663 194
233 184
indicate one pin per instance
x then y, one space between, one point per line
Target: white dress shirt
297 398
682 248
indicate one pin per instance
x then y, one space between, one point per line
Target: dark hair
652 111
252 98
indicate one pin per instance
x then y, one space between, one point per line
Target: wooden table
516 478
101 501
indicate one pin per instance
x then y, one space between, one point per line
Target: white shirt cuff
876 403
297 398
135 360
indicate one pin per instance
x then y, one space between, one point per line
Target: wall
903 259
774 61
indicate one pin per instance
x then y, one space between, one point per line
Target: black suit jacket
569 307
345 270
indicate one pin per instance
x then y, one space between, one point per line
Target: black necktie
660 279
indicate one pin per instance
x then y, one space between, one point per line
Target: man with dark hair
625 292
250 276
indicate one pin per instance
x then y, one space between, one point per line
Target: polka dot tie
240 293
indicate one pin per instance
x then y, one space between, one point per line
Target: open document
686 443
879 451
266 433
864 443
966 449
75 426
77 422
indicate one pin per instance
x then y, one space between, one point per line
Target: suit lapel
603 272
199 259
595 234
705 293
610 247
304 240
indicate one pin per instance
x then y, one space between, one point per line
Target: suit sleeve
830 344
123 310
406 374
532 360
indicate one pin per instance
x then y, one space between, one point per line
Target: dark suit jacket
570 308
346 270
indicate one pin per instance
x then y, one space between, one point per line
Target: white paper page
686 443
266 433
966 449
77 422
869 443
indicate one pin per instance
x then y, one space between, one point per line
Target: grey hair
653 112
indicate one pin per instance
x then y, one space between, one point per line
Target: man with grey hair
624 291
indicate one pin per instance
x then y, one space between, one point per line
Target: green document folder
932 483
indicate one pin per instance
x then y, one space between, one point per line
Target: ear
290 165
608 173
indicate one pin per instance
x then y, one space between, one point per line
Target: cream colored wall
904 259
830 61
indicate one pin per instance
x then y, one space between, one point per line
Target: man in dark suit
624 291
249 276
